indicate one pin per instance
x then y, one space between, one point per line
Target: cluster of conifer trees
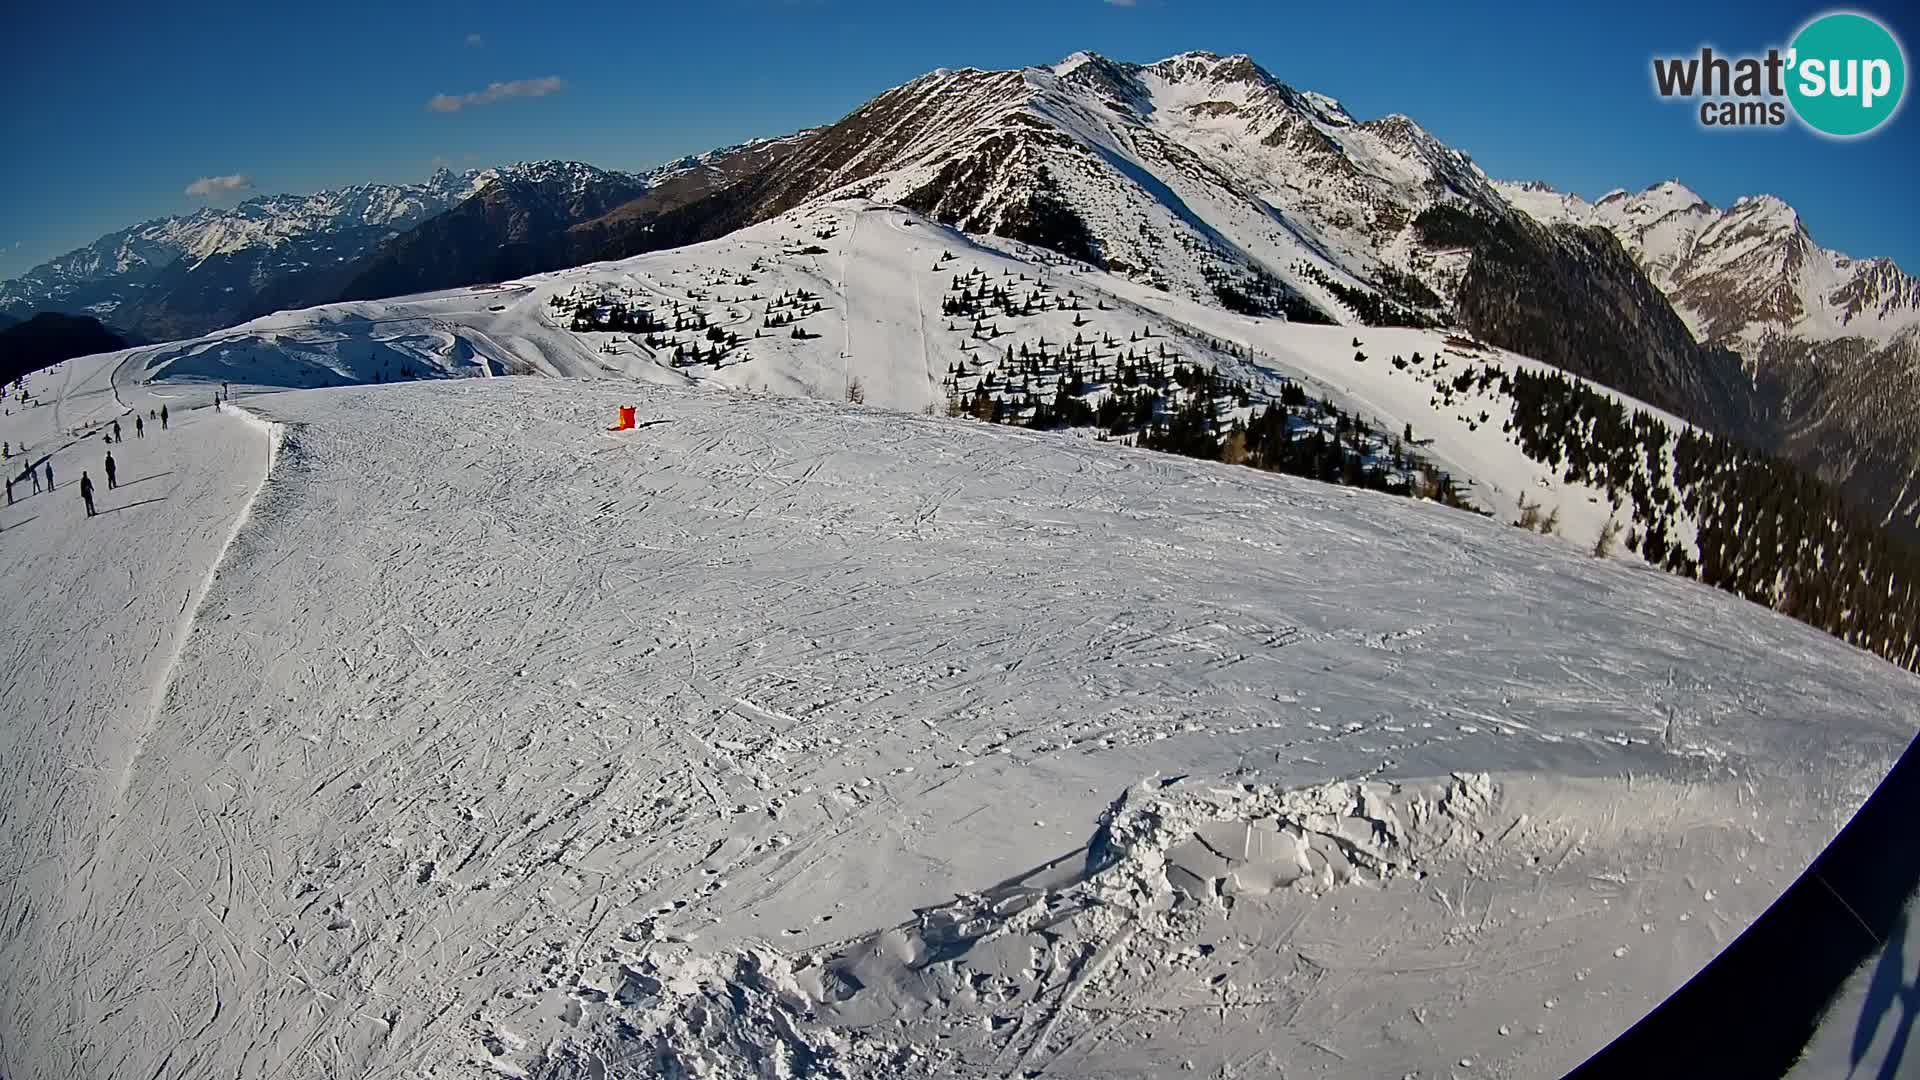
1765 529
1374 309
1178 408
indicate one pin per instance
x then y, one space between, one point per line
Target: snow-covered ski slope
786 737
877 277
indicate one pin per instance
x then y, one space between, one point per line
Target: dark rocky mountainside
48 338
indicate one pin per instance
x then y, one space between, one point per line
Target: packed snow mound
481 740
1194 930
1160 850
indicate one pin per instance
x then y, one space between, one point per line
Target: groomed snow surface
782 737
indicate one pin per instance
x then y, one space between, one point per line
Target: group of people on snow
34 471
31 472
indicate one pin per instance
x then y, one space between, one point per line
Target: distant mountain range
181 276
1203 175
540 218
177 276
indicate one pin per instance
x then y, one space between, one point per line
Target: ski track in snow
96 612
496 736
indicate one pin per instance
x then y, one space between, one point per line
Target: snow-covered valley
788 737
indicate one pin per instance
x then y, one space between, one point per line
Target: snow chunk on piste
1389 926
1007 961
745 1015
1212 845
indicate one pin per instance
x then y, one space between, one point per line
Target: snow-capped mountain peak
1212 68
445 180
1196 171
1744 275
279 233
1674 194
1074 63
571 176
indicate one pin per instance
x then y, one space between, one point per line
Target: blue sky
111 111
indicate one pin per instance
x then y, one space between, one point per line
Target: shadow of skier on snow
128 506
144 479
1884 995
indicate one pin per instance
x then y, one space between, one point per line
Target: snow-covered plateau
432 729
853 293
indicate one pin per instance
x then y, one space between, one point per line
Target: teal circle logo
1847 75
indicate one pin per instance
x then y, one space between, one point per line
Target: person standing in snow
35 474
111 481
139 427
86 491
163 418
49 475
116 431
9 491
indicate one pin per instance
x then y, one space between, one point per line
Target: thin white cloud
1123 3
475 41
220 187
499 91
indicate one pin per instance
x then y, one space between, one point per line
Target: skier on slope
163 418
9 491
111 481
86 491
116 431
49 475
139 427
